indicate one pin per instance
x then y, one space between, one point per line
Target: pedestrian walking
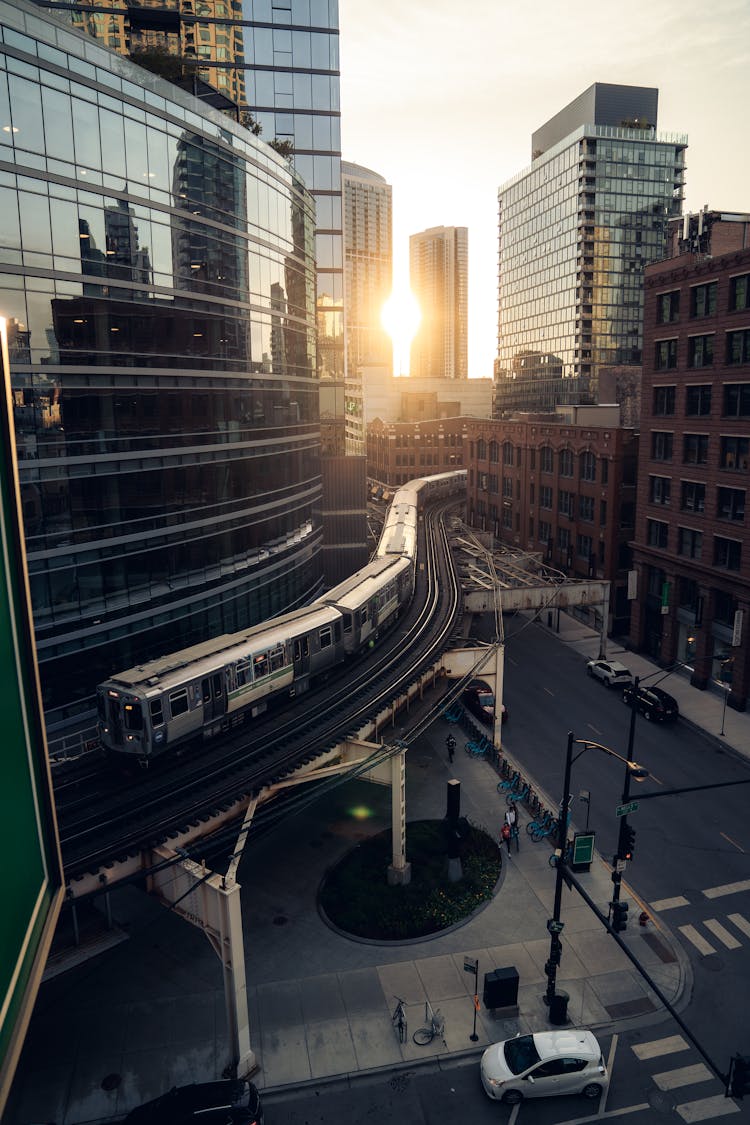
505 833
450 742
511 823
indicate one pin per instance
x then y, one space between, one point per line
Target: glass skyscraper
575 232
439 277
158 276
275 61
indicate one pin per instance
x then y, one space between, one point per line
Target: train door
214 696
301 656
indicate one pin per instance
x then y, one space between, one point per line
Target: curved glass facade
157 272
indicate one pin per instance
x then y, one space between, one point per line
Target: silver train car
201 691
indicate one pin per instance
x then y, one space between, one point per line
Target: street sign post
583 851
471 965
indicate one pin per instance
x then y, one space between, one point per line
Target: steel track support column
232 953
399 871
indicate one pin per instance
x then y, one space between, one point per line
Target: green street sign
623 810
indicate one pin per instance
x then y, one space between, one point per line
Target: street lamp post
617 875
554 924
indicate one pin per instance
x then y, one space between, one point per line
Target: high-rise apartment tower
576 229
439 275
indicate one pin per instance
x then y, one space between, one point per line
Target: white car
548 1062
610 672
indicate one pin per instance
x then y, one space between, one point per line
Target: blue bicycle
510 783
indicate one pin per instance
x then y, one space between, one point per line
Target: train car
441 484
372 599
202 690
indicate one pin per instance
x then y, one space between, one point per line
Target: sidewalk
149 1013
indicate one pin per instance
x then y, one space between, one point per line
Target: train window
337 629
260 665
277 659
242 672
326 637
297 650
218 692
178 702
133 716
206 690
157 714
347 622
364 613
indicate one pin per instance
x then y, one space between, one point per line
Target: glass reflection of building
157 273
277 59
575 232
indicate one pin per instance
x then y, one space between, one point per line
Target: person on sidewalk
450 742
511 823
506 833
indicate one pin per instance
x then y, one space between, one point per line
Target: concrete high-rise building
439 275
368 278
576 229
159 291
277 63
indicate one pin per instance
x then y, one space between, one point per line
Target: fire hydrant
643 918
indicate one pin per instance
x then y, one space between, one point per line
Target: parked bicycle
477 748
517 795
399 1020
543 832
434 1026
540 823
509 784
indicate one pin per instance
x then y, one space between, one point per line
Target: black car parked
234 1102
653 703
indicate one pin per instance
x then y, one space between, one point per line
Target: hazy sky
442 97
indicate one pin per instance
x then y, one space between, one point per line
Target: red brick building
692 542
398 452
563 485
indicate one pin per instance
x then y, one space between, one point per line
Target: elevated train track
111 828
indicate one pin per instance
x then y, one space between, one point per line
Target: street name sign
623 810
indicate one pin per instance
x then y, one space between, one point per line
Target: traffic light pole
554 925
617 875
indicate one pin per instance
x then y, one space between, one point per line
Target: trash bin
558 1008
501 988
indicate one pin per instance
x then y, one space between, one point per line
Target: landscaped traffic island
356 898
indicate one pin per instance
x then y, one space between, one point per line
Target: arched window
566 462
507 453
494 452
546 459
481 450
588 466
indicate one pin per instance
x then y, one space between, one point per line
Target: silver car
610 672
548 1062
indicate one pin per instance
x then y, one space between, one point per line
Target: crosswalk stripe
668 904
707 1109
727 889
659 1047
721 933
741 923
695 938
682 1076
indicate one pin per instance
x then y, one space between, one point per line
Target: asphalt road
686 845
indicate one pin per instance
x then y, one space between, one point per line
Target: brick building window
588 466
703 299
545 497
508 519
481 450
661 445
494 452
734 453
692 496
546 459
664 401
605 470
545 532
739 292
727 553
508 487
584 544
566 462
698 400
689 542
668 307
730 504
695 449
666 355
736 400
586 508
563 538
657 533
603 513
507 453
565 503
660 490
700 351
738 346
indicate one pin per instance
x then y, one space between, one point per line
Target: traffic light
740 1076
619 916
626 842
555 950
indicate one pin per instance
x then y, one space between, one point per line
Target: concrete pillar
399 871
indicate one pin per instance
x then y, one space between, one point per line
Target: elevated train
202 690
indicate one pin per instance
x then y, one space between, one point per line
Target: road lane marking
707 1109
658 1047
734 843
549 692
728 889
683 1076
695 938
721 933
626 1111
741 923
594 729
669 903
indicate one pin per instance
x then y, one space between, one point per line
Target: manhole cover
280 920
111 1082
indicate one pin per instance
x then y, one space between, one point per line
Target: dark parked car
234 1102
479 698
653 703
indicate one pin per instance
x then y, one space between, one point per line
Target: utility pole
623 832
